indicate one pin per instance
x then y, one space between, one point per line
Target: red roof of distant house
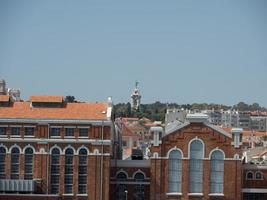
4 98
46 99
247 133
70 111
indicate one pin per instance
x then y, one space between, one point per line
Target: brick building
51 149
196 160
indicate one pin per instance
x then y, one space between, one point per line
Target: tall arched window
121 190
82 177
217 172
15 163
175 171
139 189
55 171
68 181
2 163
196 167
28 163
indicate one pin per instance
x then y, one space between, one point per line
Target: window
175 172
258 176
55 132
29 131
15 131
139 189
217 172
15 163
2 131
249 176
121 190
68 181
28 164
55 171
2 163
196 167
83 132
82 176
124 143
69 132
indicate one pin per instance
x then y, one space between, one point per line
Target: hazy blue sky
179 51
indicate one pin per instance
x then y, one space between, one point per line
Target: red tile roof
4 98
46 99
71 111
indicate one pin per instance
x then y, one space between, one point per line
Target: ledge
82 195
68 194
216 194
174 194
195 194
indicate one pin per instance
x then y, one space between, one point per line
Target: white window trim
82 195
216 194
174 194
195 194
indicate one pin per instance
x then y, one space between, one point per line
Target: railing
18 186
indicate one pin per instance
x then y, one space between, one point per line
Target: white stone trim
15 126
29 126
195 194
57 140
173 149
2 145
253 175
216 194
122 171
3 126
130 182
53 147
254 190
174 194
83 147
28 146
13 146
216 149
189 144
139 171
67 147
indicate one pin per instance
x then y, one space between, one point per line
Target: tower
136 98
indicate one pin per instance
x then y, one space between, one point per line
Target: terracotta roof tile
71 111
4 98
46 99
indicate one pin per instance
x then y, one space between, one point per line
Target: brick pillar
61 179
8 165
185 178
206 178
21 165
75 174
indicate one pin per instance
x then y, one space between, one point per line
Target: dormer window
249 176
258 176
29 131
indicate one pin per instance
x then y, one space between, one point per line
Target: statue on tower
136 98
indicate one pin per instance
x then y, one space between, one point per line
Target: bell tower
136 98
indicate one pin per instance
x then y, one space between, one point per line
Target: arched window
2 163
68 181
82 177
121 190
15 163
139 189
196 167
175 171
217 172
28 163
258 176
55 171
249 176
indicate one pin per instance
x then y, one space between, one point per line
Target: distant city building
136 98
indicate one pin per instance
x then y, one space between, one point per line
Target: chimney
2 87
237 137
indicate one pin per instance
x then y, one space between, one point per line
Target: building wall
180 139
42 145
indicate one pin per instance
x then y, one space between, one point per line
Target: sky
180 51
